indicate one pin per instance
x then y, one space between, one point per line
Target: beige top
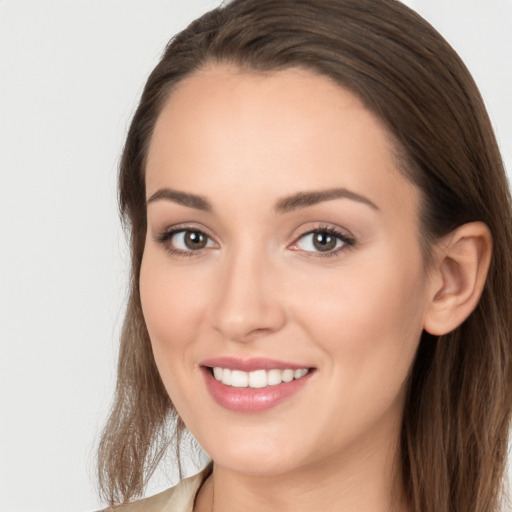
176 499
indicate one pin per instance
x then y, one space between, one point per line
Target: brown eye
187 240
324 241
195 240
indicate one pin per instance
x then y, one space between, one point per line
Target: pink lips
249 365
250 400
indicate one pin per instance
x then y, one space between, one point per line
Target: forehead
277 131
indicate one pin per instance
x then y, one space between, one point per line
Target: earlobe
458 277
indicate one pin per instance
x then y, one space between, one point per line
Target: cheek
172 305
368 318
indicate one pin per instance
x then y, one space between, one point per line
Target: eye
185 240
323 240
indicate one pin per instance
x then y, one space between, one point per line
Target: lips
253 385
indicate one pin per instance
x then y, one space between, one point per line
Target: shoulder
153 503
176 499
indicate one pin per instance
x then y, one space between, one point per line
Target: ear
460 268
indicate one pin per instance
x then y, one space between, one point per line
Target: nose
246 304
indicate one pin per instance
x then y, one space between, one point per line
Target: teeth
226 376
239 379
287 375
257 378
274 377
297 374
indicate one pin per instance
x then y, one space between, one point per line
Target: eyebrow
305 199
190 200
285 205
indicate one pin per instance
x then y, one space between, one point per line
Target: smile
253 385
256 379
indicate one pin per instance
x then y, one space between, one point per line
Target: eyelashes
324 241
320 242
185 241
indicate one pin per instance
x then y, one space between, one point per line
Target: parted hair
454 436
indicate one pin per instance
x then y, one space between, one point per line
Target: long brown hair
456 419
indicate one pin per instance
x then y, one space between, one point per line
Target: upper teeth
257 378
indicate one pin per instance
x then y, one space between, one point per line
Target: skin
261 289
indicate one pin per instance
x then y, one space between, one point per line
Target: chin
259 455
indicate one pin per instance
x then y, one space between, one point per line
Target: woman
320 230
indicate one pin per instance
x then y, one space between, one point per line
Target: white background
71 72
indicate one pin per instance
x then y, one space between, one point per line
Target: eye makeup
185 240
321 242
322 238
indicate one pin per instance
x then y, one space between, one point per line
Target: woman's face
281 236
